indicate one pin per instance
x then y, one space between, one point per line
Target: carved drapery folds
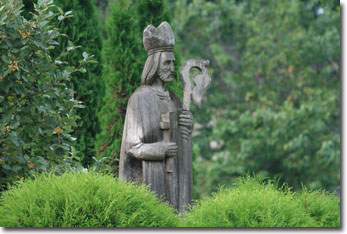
156 146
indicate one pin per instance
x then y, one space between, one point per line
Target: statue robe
142 158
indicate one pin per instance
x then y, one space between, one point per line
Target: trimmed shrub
253 203
322 206
82 199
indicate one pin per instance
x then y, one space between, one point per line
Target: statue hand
170 149
186 119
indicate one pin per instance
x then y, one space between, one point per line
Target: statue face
166 67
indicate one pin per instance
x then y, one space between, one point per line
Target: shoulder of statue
142 92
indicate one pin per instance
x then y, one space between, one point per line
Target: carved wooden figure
156 146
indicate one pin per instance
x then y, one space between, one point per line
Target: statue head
159 43
166 67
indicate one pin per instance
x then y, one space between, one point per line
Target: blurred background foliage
274 104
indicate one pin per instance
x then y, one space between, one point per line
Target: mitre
158 39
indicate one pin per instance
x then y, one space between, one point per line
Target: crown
158 39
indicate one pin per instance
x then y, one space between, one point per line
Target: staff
194 90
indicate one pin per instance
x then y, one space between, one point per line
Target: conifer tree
121 56
124 57
84 29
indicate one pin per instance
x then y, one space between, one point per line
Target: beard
166 76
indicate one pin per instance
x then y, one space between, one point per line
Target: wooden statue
156 146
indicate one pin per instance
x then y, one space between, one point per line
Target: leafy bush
252 203
79 199
83 29
37 107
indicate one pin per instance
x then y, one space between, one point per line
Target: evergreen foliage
123 58
322 206
254 203
82 199
83 29
151 12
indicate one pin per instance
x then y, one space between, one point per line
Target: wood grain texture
142 156
156 118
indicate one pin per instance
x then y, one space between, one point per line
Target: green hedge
253 203
323 207
81 199
90 199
